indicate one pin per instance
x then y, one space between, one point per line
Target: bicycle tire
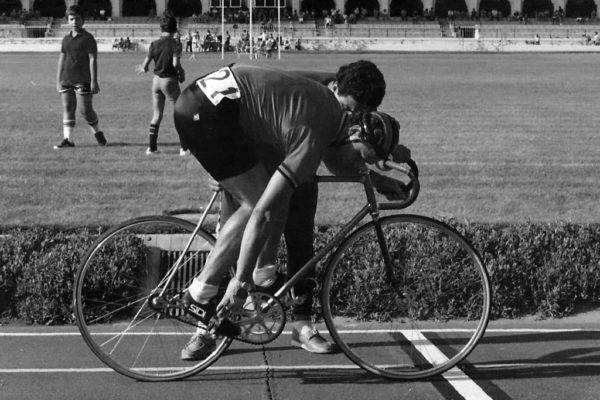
111 292
425 322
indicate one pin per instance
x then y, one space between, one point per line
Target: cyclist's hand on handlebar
392 189
401 154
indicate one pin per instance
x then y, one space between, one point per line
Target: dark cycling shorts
79 88
213 134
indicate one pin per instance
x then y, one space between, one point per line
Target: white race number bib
218 85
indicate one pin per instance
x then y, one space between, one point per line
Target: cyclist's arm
268 215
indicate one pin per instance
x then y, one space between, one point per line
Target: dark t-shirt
290 119
162 52
323 78
76 68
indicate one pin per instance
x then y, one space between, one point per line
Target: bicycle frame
372 207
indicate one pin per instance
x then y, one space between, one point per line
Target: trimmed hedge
543 269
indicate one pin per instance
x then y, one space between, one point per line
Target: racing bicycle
403 296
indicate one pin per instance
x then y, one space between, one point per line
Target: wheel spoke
429 320
126 266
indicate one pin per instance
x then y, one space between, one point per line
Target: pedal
228 329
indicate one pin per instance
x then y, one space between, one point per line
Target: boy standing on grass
77 78
168 73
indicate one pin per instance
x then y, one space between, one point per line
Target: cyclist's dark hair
74 10
168 23
364 81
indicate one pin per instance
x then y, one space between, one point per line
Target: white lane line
248 368
454 374
354 331
540 164
464 385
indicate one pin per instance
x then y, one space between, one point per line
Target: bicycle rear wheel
124 268
421 320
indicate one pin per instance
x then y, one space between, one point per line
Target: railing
23 31
294 31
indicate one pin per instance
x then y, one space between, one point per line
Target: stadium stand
518 30
147 27
25 28
142 28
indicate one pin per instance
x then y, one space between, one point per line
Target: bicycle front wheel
416 318
123 272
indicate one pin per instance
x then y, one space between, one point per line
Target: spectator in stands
227 41
596 39
188 42
168 73
196 41
270 46
536 40
403 14
77 78
384 15
561 14
473 15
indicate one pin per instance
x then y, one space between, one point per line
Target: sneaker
311 340
204 313
184 153
150 152
200 346
65 144
100 138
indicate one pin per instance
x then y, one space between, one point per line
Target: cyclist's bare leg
246 189
268 256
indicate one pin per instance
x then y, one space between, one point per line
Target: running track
524 359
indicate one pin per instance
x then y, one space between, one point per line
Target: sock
264 276
304 324
153 137
94 126
68 127
202 292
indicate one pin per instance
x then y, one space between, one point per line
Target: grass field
498 137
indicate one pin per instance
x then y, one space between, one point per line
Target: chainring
261 319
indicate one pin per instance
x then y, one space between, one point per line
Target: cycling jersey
237 116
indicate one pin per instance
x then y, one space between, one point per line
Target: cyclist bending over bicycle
261 133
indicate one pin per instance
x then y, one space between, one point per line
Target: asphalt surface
523 359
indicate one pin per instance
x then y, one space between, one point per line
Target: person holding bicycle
364 85
262 133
